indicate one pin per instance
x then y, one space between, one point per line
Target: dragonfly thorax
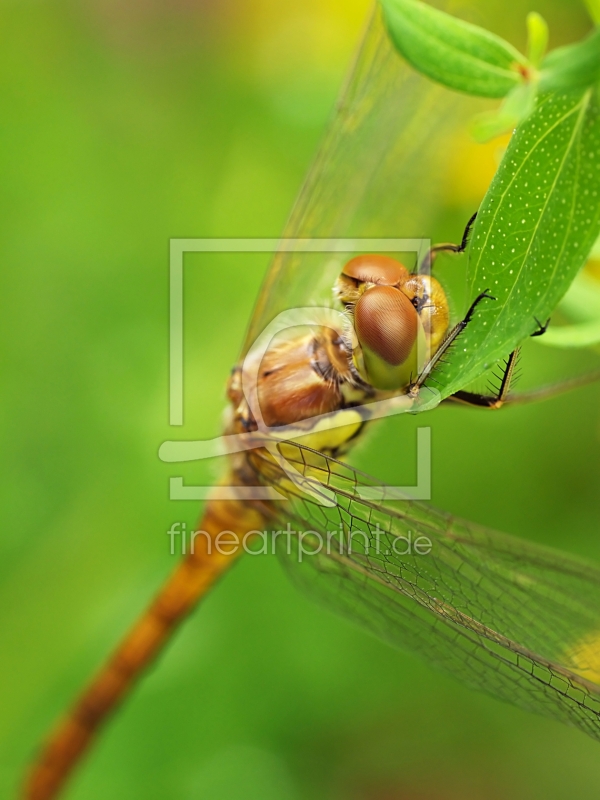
299 378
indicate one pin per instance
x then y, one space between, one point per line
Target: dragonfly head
398 319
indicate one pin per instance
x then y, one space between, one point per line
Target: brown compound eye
382 270
386 324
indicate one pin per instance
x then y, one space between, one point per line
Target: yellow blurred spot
473 165
584 657
299 40
592 268
300 58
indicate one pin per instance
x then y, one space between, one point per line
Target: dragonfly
516 620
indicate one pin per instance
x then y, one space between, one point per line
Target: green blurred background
122 125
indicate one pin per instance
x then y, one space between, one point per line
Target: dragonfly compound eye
387 327
362 271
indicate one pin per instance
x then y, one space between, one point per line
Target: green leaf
593 7
573 66
515 108
535 228
585 334
581 305
453 52
537 30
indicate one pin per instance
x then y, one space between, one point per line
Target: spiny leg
499 399
425 266
415 387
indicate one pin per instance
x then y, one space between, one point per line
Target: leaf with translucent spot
534 231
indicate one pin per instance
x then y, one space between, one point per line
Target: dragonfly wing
382 171
516 620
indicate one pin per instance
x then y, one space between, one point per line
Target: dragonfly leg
415 387
541 328
492 401
425 266
531 396
500 398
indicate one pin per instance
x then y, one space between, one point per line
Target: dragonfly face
399 319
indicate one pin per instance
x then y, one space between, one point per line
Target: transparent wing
516 620
382 171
